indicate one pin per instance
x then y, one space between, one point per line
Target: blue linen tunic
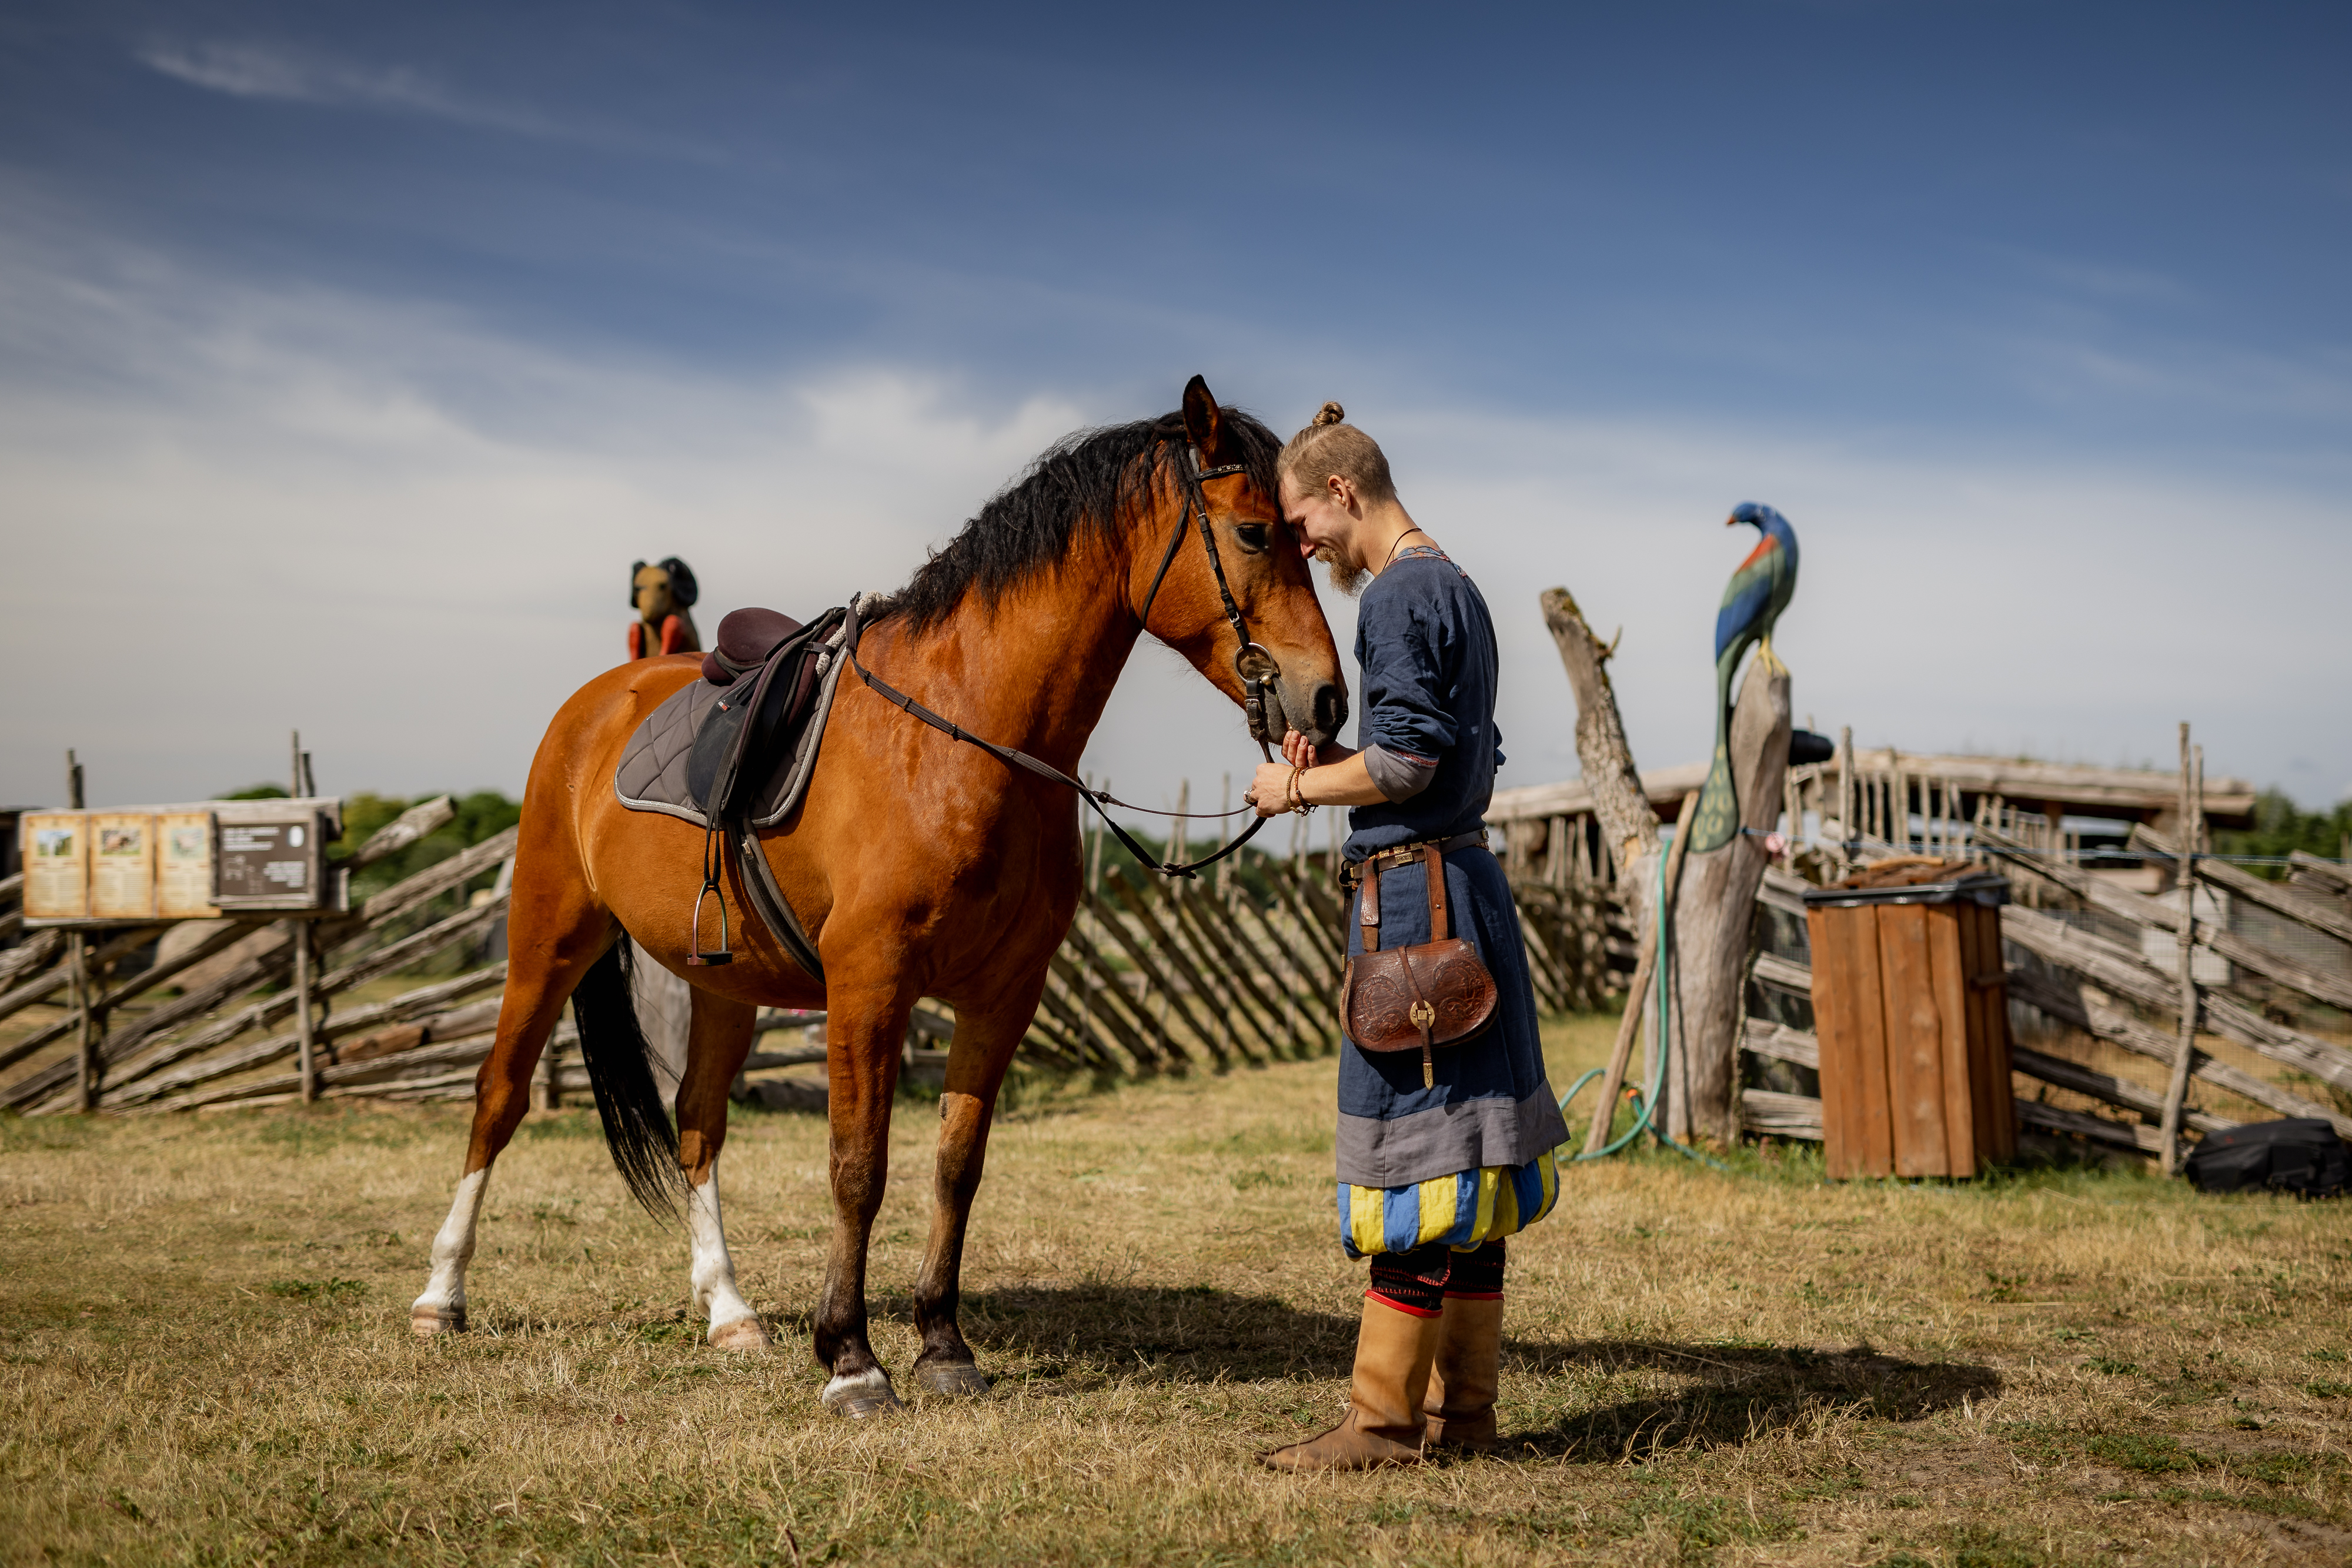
1426 646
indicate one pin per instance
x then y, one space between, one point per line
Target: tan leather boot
1463 1378
1384 1421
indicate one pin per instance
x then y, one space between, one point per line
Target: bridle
1257 668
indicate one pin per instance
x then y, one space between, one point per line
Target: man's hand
1269 789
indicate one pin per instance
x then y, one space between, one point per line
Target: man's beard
1348 573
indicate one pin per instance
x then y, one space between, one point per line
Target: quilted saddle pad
651 774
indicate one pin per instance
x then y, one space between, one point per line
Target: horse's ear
1205 425
635 567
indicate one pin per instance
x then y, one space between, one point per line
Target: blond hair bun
1330 445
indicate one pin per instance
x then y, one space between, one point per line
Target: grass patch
319 1290
205 1355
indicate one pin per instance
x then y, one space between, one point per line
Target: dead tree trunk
1628 826
1715 909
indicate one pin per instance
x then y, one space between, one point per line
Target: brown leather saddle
732 753
767 665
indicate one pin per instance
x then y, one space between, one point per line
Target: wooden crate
1914 1028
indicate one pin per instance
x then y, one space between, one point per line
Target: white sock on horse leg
443 1304
733 1324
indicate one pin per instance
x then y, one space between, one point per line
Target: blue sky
349 354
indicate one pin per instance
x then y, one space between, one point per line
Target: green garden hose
1661 986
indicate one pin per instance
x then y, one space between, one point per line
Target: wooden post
73 781
85 1007
1715 919
1628 827
1845 793
2192 809
298 933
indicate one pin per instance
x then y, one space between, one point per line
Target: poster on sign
122 865
56 866
183 866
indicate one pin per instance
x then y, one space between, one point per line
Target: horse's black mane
1084 480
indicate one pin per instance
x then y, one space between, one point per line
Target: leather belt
1352 872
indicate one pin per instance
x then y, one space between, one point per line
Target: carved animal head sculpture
662 593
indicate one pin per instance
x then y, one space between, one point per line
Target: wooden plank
37 951
437 879
1992 1047
2071 1002
1949 982
2329 873
2141 910
1779 1043
2107 1086
1146 909
1101 1016
1267 946
131 1085
1914 1043
1783 890
1838 1047
2279 897
425 817
1781 1115
2121 972
1148 963
1163 1046
1209 922
35 1087
1849 1011
2050 1119
50 983
1782 974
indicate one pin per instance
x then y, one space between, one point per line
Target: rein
1257 674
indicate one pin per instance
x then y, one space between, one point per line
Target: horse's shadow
1071 1336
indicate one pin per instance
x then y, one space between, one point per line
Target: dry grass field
205 1357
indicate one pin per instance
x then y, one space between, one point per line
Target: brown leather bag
1432 994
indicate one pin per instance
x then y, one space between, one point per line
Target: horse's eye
1251 537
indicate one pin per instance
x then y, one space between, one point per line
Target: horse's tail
620 1070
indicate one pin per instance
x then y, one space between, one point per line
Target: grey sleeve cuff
1398 777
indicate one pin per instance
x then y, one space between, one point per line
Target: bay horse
919 866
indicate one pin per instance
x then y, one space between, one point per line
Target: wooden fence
2063 971
1155 977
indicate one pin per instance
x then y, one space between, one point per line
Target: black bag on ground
2302 1156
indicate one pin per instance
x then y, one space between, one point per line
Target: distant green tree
2281 827
483 814
256 792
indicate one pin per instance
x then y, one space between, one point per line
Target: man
1435 1167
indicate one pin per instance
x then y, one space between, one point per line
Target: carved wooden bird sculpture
1752 602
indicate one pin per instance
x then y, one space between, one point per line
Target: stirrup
694 956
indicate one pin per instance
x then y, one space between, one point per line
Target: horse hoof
956 1379
743 1333
861 1396
430 1320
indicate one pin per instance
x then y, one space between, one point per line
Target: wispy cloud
219 475
284 74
